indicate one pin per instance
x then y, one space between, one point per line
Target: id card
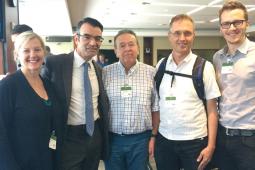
170 100
53 141
126 91
227 68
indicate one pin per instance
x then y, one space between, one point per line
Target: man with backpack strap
186 137
197 76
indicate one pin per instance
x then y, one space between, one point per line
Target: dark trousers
234 152
173 155
81 151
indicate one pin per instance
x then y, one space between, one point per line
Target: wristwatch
153 135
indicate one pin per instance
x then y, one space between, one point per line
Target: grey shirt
236 77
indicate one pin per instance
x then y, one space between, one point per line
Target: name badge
126 91
171 100
227 68
53 141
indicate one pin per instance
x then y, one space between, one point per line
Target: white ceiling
146 17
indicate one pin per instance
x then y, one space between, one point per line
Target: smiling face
88 41
31 55
126 49
234 35
181 36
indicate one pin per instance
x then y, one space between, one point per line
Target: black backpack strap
197 78
178 74
160 73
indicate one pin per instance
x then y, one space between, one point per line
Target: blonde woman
28 132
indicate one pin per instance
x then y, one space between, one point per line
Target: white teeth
32 61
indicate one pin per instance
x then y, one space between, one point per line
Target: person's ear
248 24
76 39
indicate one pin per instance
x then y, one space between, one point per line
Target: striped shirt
132 96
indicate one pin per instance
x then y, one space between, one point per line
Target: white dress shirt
76 113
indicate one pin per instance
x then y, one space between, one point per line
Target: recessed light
146 3
162 24
214 20
199 22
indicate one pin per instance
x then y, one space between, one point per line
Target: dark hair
181 17
125 31
231 5
91 21
47 48
21 28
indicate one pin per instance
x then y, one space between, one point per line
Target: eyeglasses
87 37
236 24
179 33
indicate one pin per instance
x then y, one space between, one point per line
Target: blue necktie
88 102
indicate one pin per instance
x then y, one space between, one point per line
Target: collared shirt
237 106
132 96
76 114
184 118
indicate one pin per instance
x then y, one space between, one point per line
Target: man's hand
151 146
205 157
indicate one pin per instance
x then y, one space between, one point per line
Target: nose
32 52
128 47
92 41
182 36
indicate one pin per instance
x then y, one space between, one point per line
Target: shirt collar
185 60
131 70
79 61
243 48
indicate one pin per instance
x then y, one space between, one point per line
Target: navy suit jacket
59 69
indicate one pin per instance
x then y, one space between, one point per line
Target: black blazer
59 69
26 125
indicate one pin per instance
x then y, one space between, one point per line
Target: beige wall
199 43
158 43
108 43
60 47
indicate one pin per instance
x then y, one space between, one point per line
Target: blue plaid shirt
130 114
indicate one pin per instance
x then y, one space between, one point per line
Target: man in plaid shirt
134 110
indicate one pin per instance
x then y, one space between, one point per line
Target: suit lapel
98 73
67 69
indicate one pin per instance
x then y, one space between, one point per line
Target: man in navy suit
80 150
